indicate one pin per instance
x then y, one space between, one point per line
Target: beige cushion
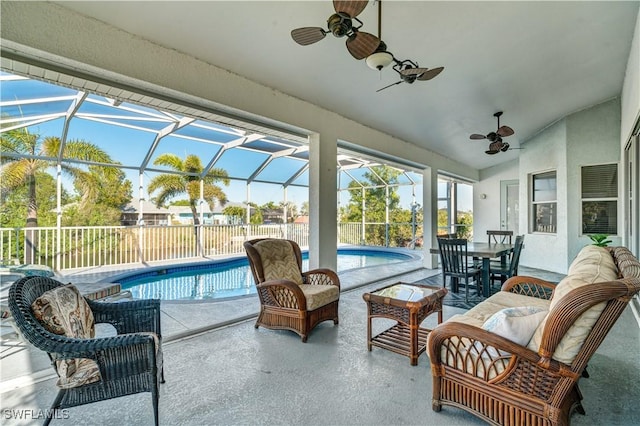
64 311
278 260
501 300
319 295
592 265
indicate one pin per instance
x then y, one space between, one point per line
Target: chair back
449 236
453 256
274 258
499 237
515 255
22 294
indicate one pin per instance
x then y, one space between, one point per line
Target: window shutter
600 181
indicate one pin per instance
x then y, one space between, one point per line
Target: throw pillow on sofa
516 324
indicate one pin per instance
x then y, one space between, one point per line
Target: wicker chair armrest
62 347
578 301
115 356
321 276
529 286
282 293
129 317
478 352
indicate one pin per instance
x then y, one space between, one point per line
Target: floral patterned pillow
64 311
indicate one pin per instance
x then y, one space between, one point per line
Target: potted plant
600 240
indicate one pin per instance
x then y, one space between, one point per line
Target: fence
83 246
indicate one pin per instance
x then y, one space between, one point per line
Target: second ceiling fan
496 144
408 70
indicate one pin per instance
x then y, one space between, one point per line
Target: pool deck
237 375
23 365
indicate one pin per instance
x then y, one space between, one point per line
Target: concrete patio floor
234 374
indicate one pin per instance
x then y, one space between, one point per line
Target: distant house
151 215
181 215
272 215
301 219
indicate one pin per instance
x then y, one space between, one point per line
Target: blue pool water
229 278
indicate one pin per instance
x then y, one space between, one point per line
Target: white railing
73 247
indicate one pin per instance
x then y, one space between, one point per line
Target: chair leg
54 406
466 290
155 397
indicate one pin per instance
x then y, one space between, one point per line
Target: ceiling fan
495 138
340 24
410 72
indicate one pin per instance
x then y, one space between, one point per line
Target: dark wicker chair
283 301
129 363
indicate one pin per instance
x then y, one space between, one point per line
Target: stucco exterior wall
486 211
592 138
545 152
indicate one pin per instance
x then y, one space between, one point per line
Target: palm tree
28 154
18 171
171 185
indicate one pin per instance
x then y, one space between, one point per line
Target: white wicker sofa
516 357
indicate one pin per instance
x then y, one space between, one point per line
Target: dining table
485 251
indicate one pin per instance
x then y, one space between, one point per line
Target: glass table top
406 292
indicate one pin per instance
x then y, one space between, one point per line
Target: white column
58 265
430 215
285 212
248 221
323 206
140 197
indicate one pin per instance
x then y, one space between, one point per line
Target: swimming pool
229 278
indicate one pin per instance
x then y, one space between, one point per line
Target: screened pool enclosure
135 130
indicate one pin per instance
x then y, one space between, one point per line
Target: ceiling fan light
379 60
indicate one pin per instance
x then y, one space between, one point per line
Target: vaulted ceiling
536 61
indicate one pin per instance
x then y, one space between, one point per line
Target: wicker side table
409 305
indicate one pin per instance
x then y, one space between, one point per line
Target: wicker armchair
128 363
505 383
289 298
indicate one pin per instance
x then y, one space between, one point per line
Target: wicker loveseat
531 378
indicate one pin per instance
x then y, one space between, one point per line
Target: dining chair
499 236
503 271
456 265
448 236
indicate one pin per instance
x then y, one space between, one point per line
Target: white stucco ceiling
536 61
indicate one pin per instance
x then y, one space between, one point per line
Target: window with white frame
544 202
600 199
